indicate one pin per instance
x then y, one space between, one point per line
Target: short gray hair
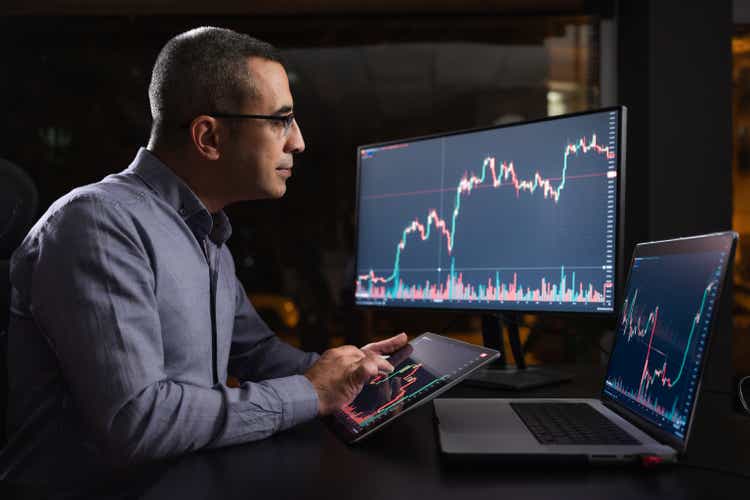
203 70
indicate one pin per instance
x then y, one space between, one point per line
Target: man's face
259 152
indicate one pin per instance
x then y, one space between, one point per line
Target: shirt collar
172 189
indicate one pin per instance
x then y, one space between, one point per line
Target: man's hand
340 373
388 346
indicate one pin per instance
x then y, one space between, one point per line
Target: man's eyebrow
283 110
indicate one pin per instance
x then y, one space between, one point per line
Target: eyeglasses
285 120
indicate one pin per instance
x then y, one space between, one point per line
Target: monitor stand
499 374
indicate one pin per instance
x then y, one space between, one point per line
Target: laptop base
478 428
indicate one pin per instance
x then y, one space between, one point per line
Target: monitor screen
664 326
520 217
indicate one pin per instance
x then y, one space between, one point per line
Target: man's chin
267 194
279 191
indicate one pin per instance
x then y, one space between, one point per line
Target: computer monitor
514 218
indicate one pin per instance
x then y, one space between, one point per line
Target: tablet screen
425 367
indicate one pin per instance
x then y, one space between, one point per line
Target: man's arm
93 299
337 376
257 353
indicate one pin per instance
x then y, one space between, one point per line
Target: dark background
74 76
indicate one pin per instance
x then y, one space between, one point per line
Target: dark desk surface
403 461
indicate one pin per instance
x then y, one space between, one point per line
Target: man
126 314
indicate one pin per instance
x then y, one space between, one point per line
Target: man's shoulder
121 189
115 195
112 204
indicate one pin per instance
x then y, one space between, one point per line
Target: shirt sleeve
257 353
93 298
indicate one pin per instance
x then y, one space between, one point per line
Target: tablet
426 367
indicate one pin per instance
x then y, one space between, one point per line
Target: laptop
665 324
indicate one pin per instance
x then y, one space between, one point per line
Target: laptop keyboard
571 424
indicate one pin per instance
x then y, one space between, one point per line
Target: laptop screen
663 328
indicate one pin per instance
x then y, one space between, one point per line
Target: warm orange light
740 45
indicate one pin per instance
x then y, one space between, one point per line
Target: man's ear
205 132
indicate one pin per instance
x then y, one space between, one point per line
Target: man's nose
295 143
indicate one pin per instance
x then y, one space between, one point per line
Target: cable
741 392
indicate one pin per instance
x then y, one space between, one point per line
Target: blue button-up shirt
126 319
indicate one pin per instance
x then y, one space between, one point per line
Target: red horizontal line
479 186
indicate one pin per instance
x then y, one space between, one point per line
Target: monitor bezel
619 219
660 248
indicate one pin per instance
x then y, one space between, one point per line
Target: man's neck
192 174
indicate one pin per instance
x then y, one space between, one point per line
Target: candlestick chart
388 393
662 334
519 217
421 369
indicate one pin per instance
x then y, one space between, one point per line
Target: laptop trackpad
482 426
